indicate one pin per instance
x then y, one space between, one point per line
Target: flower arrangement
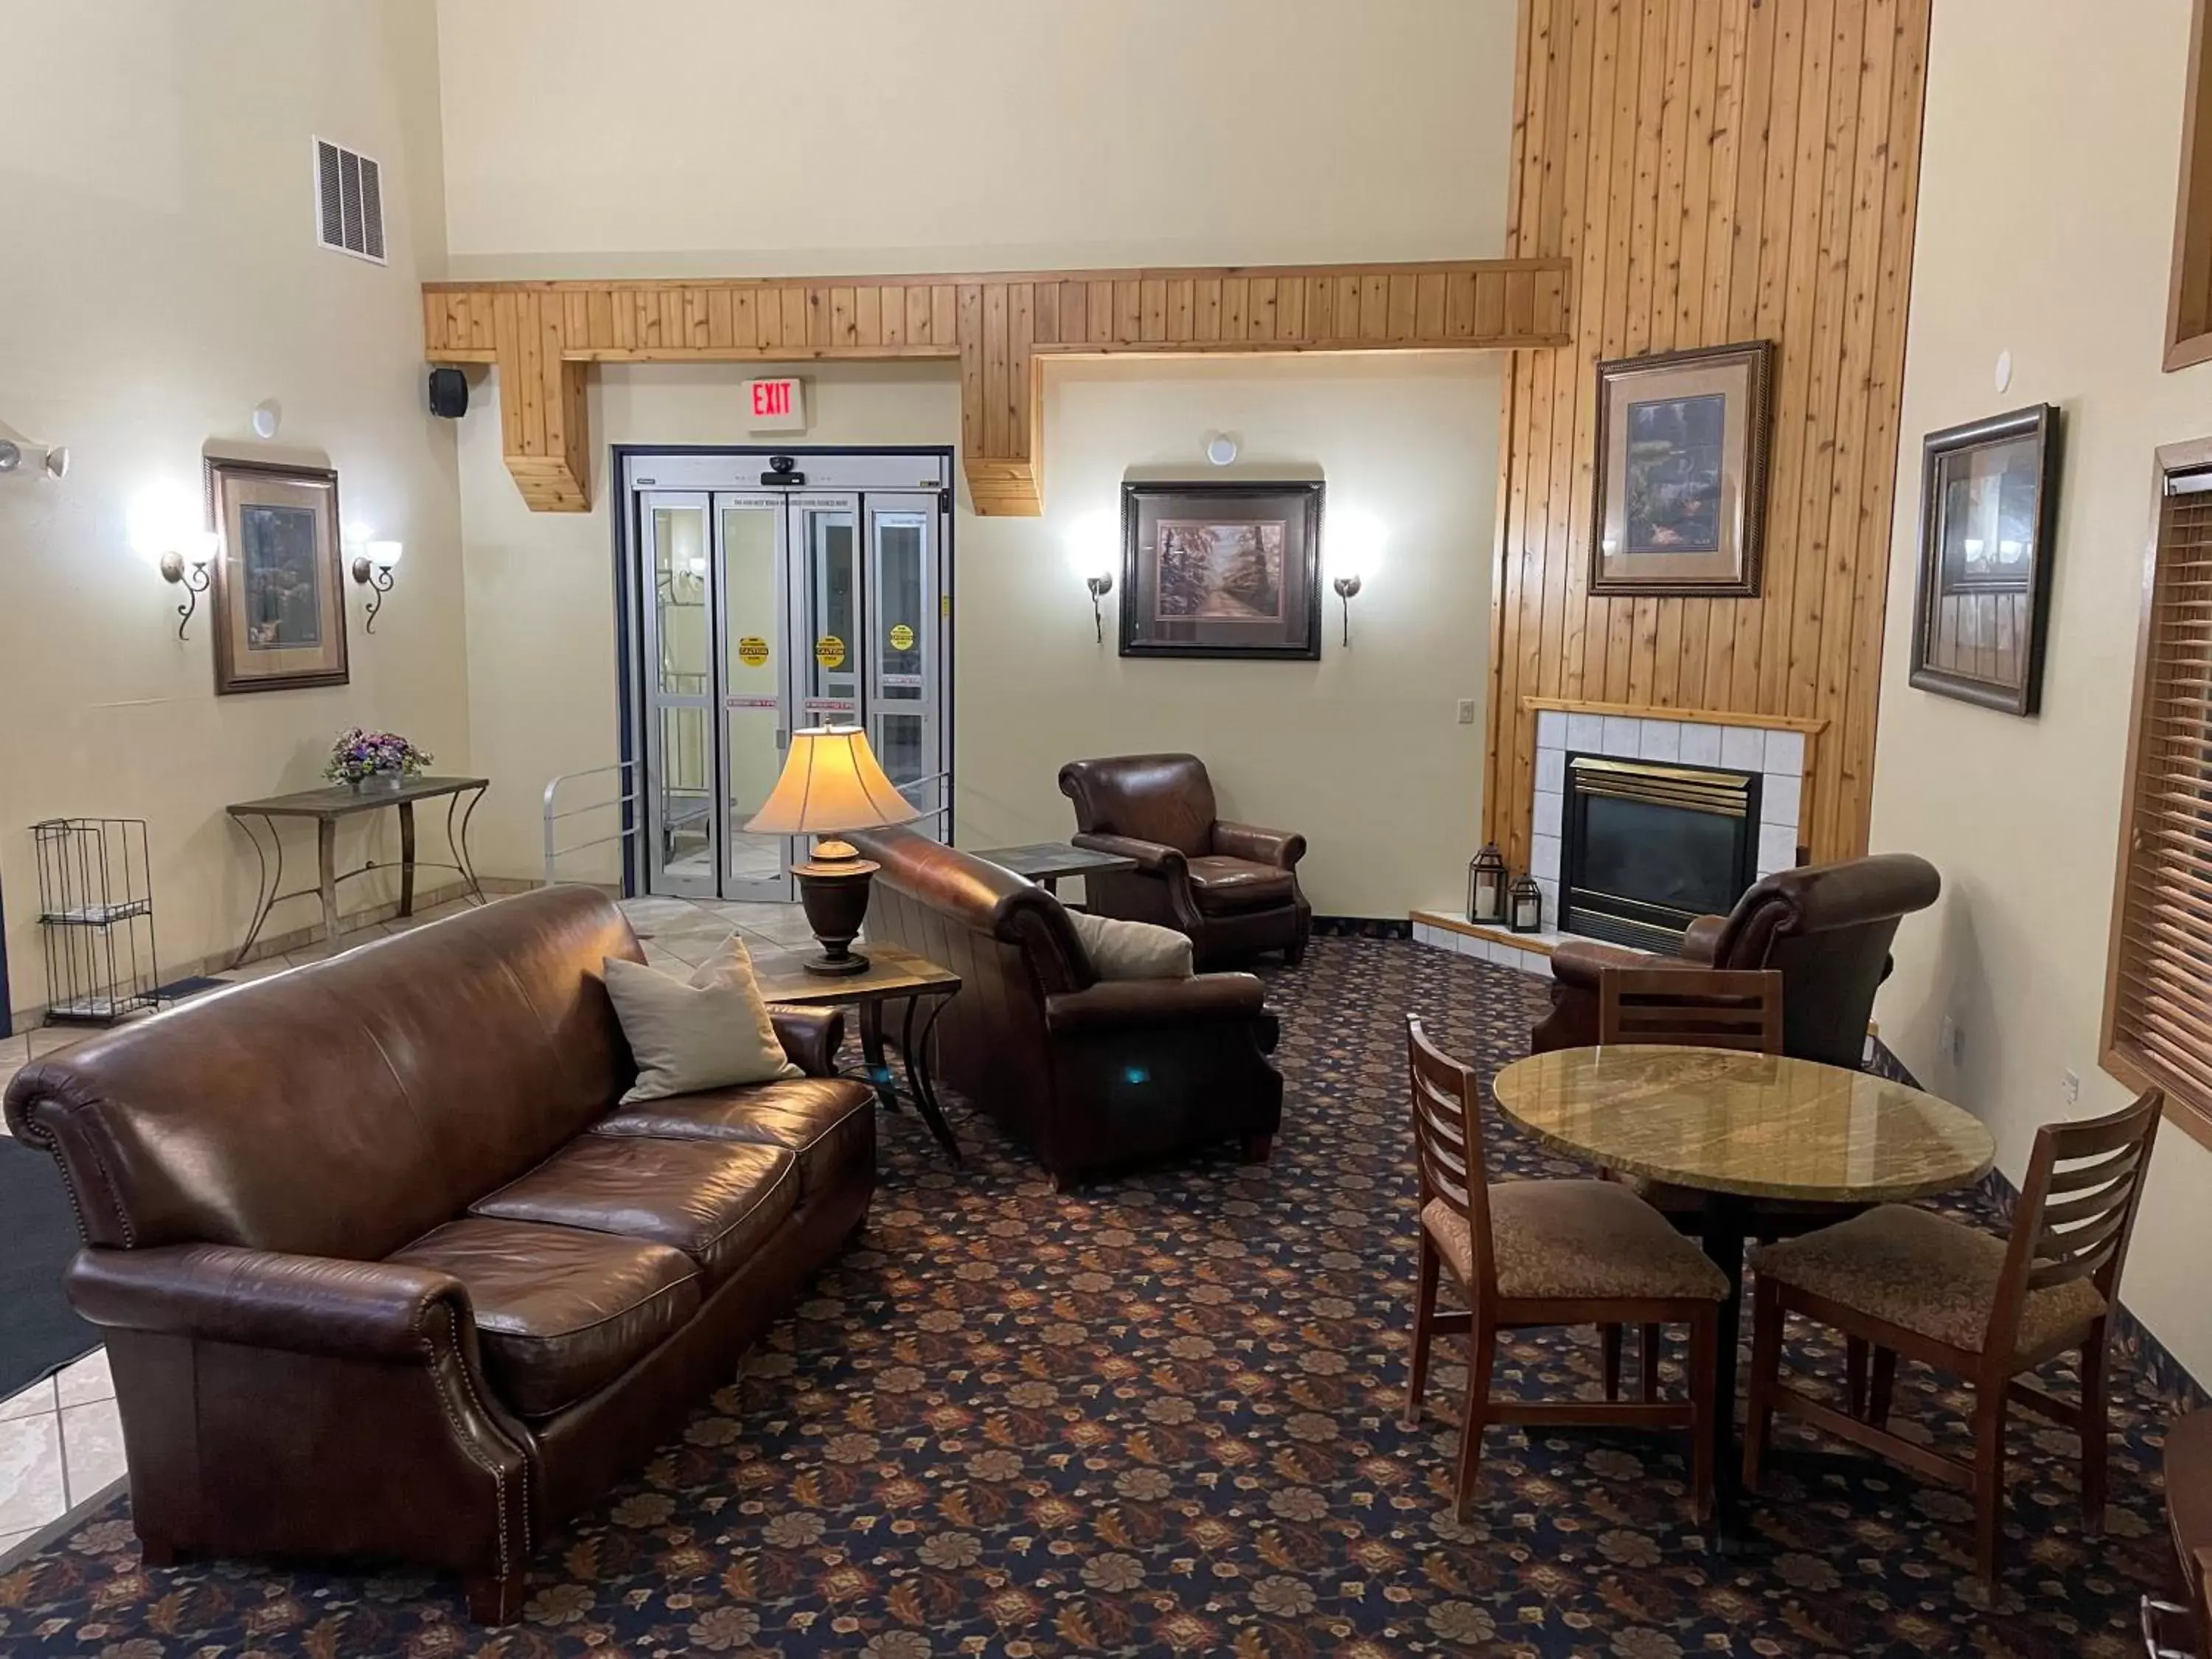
359 754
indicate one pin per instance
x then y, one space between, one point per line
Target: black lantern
1485 887
1527 905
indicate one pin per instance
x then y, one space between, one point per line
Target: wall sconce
373 569
1100 585
188 569
54 462
1094 547
1354 549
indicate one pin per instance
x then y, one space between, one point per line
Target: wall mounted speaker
449 393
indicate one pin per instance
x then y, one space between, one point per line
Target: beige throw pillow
1132 949
709 1031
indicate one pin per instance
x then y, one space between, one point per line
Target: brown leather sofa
1090 1073
384 1270
1826 928
1232 887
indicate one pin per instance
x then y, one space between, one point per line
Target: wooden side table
894 975
1045 862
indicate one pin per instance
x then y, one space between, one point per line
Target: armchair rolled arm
307 1304
1248 841
1577 962
1152 857
1701 941
810 1037
1114 1004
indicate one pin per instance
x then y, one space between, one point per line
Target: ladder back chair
1539 1253
1913 1283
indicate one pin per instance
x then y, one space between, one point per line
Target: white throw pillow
709 1031
1132 949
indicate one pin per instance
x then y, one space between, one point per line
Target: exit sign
777 405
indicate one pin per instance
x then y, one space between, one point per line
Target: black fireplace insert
1649 846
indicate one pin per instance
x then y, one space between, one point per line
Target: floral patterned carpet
1160 1417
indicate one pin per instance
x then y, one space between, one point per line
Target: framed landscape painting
1221 570
1681 472
275 593
1989 506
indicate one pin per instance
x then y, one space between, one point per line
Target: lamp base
834 892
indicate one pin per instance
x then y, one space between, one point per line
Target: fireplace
1649 846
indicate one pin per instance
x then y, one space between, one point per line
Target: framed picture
275 595
1681 472
1221 570
1988 508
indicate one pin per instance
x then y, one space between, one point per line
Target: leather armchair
1090 1075
1233 888
1827 928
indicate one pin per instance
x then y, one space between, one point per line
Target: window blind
2159 1000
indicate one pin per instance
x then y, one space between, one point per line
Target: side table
1045 862
894 975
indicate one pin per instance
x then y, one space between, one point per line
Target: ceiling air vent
349 202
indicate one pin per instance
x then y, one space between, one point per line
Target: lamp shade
830 782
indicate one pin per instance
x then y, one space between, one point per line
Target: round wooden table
1739 1127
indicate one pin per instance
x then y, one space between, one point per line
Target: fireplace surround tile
1551 728
1550 769
1544 858
1551 816
1785 753
1661 740
1743 748
1780 796
1778 847
1700 745
1586 732
1622 734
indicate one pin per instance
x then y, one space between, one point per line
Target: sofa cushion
560 1312
1132 949
828 1124
1222 883
716 1203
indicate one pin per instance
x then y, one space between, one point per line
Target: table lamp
831 783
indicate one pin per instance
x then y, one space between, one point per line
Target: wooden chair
1910 1282
1701 1007
1536 1253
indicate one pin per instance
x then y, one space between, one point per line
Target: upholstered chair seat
1927 1273
1222 883
1585 1239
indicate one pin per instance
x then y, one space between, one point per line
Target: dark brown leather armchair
384 1269
1233 888
1826 928
1090 1073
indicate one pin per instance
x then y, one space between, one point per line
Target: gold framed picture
275 595
1681 472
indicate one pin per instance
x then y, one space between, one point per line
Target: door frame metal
627 533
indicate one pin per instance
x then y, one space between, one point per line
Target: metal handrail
627 798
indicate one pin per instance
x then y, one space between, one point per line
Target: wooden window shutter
2158 1005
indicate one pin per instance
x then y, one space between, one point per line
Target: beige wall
2046 216
884 136
1362 751
998 134
158 278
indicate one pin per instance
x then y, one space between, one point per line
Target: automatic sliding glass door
755 658
683 826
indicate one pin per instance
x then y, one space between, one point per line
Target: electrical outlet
1467 711
2070 1087
1952 1040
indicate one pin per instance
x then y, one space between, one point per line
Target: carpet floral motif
1160 1417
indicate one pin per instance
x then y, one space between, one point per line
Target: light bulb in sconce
1354 549
267 415
371 569
1093 547
1221 449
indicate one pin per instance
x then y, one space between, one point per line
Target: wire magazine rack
96 912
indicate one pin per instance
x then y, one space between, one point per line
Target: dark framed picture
1681 472
1221 570
275 595
1989 515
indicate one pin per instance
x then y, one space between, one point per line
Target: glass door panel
904 651
827 533
680 807
755 664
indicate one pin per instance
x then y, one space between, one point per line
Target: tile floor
61 1441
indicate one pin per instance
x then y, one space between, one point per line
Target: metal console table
326 807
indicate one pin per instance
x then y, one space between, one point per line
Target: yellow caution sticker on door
752 651
830 651
901 638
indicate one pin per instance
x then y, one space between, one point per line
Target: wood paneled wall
1713 171
1000 327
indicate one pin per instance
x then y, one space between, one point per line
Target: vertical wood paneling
1711 171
